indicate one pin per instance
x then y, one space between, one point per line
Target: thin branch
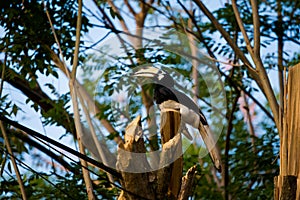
96 43
227 148
77 42
6 140
57 42
74 92
280 53
130 8
227 37
249 121
94 136
59 145
122 22
242 28
256 27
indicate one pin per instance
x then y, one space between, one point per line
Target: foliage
29 54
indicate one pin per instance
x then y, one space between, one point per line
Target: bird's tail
211 145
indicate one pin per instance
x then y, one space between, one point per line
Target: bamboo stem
74 94
19 178
94 136
6 140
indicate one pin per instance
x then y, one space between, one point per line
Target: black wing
162 93
188 102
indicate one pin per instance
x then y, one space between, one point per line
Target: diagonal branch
86 96
6 140
227 37
59 145
58 158
256 27
259 74
122 22
99 147
41 98
74 95
130 8
15 166
242 28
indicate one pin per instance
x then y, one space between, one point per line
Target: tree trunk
169 176
287 184
136 185
164 183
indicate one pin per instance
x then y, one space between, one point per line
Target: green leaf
15 109
9 167
112 12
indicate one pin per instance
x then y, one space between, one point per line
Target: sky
31 119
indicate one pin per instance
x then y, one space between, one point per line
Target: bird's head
158 76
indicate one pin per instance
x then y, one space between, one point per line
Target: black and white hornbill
190 113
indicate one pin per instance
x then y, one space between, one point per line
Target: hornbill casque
191 114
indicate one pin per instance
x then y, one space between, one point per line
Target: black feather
162 93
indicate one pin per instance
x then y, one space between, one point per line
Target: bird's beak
147 72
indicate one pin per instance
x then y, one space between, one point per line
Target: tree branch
280 53
59 145
256 27
226 37
103 157
74 95
259 74
242 28
225 174
122 22
130 8
6 140
58 158
15 166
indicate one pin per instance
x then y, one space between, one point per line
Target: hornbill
191 114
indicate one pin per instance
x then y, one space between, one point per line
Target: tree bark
164 183
187 184
287 184
169 176
136 185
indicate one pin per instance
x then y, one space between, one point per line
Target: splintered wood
138 179
287 184
137 185
170 173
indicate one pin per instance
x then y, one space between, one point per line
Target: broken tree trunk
287 184
165 183
187 184
171 162
131 158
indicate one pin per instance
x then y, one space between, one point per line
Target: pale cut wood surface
293 118
290 139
